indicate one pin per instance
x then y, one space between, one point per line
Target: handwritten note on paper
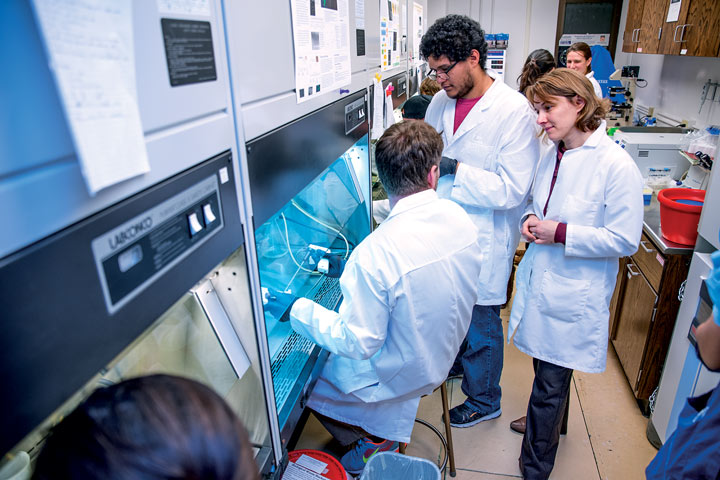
90 46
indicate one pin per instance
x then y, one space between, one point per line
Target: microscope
622 111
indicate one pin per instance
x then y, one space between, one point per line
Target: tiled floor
605 440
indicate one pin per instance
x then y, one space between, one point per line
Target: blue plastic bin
395 466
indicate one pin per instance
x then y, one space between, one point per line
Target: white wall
674 83
530 23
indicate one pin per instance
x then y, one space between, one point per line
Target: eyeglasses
441 73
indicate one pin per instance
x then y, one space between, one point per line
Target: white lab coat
498 149
560 310
596 86
408 289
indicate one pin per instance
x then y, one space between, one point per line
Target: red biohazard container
333 469
680 214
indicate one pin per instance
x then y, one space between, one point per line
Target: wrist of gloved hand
448 166
278 304
332 265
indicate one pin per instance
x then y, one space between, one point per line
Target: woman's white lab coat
596 86
560 310
498 149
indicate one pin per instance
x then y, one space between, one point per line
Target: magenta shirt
462 108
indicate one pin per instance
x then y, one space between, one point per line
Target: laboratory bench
645 303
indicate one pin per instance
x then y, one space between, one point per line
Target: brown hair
539 62
404 156
429 87
152 428
584 48
563 82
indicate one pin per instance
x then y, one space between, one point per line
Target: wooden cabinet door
700 34
633 323
632 25
670 41
653 20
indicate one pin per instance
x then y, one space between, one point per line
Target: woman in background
538 63
579 58
149 428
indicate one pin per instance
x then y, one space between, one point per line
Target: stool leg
448 428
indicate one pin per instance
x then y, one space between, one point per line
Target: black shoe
463 416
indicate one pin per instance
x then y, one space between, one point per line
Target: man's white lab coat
498 149
408 289
563 292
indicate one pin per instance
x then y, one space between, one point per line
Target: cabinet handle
659 33
630 269
644 247
675 33
682 33
636 37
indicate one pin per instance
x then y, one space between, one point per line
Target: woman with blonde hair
585 212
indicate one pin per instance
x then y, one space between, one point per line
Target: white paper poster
590 38
90 45
418 30
674 11
390 35
378 123
321 34
360 14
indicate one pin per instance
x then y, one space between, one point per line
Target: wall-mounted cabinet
694 33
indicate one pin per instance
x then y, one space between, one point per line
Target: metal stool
445 439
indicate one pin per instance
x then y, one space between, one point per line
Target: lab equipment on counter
654 152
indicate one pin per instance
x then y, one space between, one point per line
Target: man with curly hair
491 149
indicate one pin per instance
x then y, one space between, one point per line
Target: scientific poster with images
418 30
321 35
390 39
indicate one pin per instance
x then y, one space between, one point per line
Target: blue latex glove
713 285
448 166
278 304
332 266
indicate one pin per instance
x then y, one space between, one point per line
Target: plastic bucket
680 213
391 465
333 469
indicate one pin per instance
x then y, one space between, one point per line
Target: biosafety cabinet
307 161
148 274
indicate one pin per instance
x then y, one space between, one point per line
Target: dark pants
546 414
480 359
344 433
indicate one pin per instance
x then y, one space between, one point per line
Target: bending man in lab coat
585 213
491 149
408 291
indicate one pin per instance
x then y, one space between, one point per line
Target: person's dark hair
584 48
404 156
539 62
154 427
416 106
454 36
563 82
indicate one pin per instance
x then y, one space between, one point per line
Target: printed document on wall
321 34
417 33
390 35
90 45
